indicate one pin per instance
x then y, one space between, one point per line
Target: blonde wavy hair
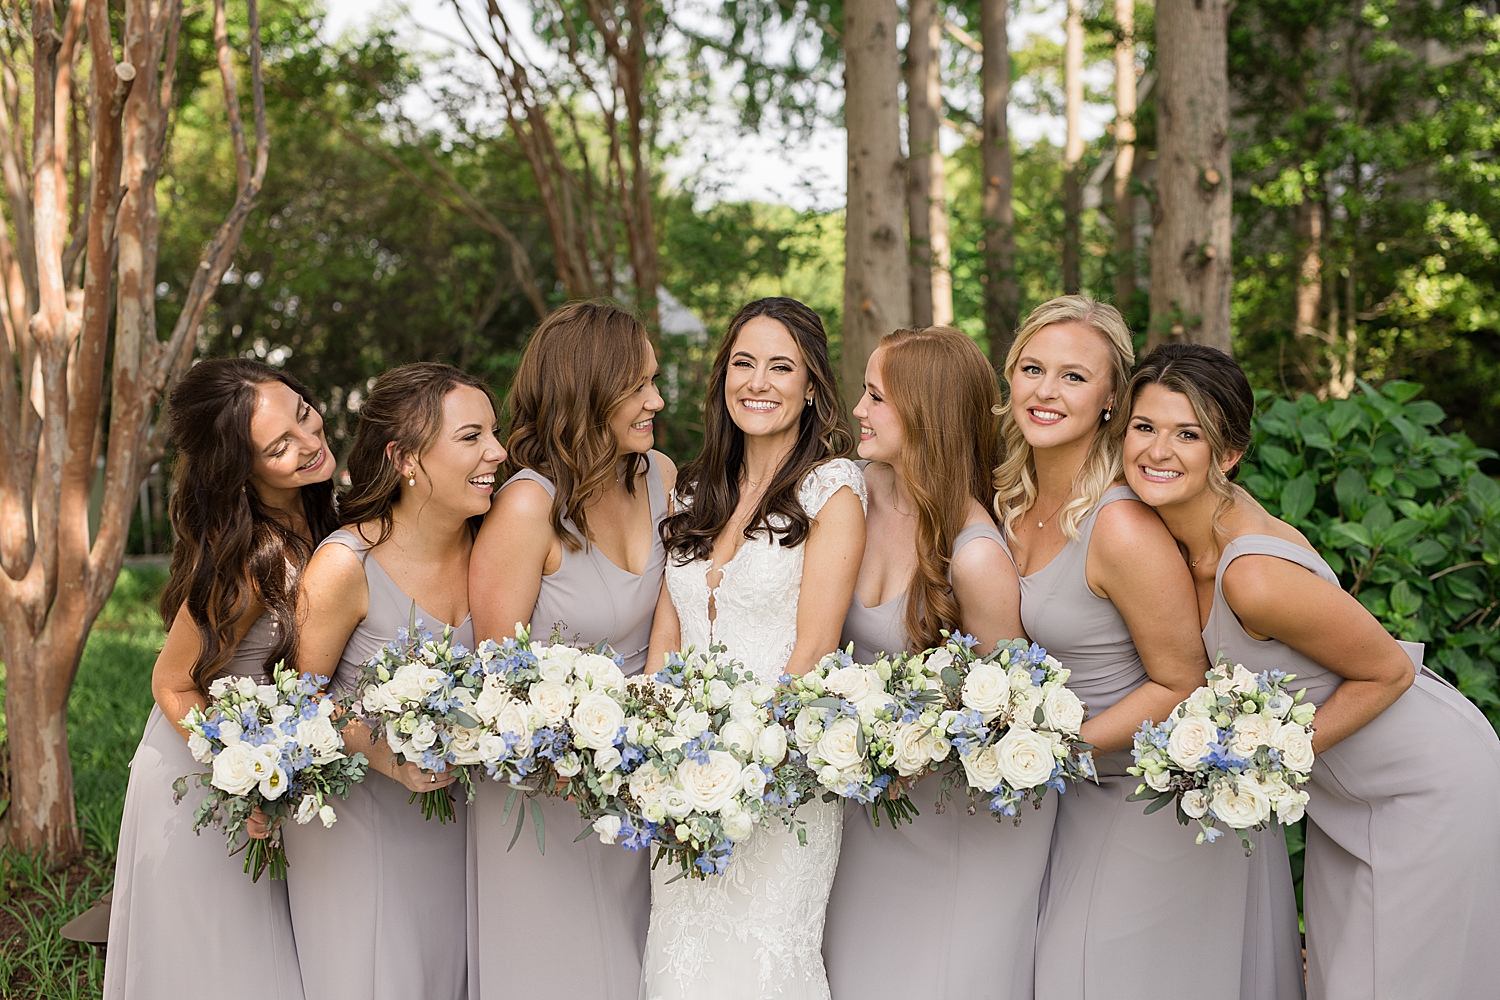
1015 477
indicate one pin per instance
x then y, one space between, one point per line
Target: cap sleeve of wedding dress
826 480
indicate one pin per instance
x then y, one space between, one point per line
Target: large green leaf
1297 498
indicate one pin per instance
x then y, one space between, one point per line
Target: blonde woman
1105 590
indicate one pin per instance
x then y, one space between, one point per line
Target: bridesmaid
378 899
1401 886
253 492
1104 589
927 428
571 543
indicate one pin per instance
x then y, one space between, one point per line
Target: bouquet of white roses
702 762
1237 750
274 747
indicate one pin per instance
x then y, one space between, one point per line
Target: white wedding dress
757 930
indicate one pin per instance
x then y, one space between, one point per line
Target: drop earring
411 481
1107 414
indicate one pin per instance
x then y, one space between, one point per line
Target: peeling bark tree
1073 150
926 195
1001 298
1190 241
877 286
57 336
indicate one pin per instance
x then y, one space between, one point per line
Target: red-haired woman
253 496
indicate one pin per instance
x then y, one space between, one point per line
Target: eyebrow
1151 420
774 357
469 427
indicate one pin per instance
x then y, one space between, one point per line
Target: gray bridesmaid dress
600 894
967 887
1401 885
378 899
1132 908
183 911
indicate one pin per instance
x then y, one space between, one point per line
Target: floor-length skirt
597 895
941 909
378 900
1134 909
184 912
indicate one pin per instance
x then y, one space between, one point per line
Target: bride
762 554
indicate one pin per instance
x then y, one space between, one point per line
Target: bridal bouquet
702 762
1236 750
274 747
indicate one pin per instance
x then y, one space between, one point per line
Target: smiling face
1167 455
633 424
287 437
767 385
880 434
457 471
1061 384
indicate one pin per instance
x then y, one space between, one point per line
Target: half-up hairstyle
1220 395
404 408
231 548
709 485
1015 479
582 364
944 391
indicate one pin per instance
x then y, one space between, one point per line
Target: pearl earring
412 481
1107 415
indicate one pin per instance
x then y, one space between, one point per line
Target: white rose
1202 704
737 736
770 746
690 724
245 686
201 749
601 672
513 719
647 785
982 768
306 810
938 660
719 693
1019 676
851 683
555 663
839 745
273 784
809 726
552 700
1252 732
425 735
319 736
491 748
1189 741
1063 710
606 760
281 713
762 693
267 695
493 697
986 690
608 828
465 746
709 786
742 705
1295 746
1243 681
1024 705
913 744
1194 803
674 802
233 771
1158 781
1240 803
597 721
1025 758
738 827
753 781
1290 804
568 765
229 732
871 704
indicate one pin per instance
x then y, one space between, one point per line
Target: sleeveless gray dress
1132 908
967 886
1401 886
183 911
595 897
378 898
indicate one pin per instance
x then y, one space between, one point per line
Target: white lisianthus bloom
1189 741
568 765
1202 704
739 827
601 672
281 713
654 811
762 693
753 781
1194 803
647 785
986 690
273 784
306 810
1279 704
982 768
719 693
1252 732
940 747
201 749
327 817
742 706
1025 758
708 786
319 736
229 732
1302 714
913 745
666 744
425 735
610 783
1290 804
606 760
1019 677
770 745
597 721
938 660
1158 781
873 703
1295 746
404 684
1024 705
674 802
394 738
245 686
691 724
839 745
493 697
608 828
219 686
737 736
552 699
263 761
1062 710
491 749
809 726
1243 681
1240 803
267 695
233 772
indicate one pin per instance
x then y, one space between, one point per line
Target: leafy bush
1402 514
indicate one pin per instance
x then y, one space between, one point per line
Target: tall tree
877 285
1125 101
1191 271
1001 298
927 201
1073 148
58 335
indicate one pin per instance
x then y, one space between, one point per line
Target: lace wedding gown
757 930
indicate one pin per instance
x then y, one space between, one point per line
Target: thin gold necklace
1059 507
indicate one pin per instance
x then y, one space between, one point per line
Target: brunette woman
1401 887
571 544
253 493
378 900
934 560
1105 591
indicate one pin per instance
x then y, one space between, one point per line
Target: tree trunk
931 258
1001 299
1191 272
877 286
1073 149
1125 104
1309 301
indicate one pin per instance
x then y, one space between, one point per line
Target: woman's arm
1134 561
668 472
835 546
666 631
514 549
1277 599
172 678
988 593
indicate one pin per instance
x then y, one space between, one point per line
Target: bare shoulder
842 506
525 502
1129 527
1257 585
336 567
983 559
668 470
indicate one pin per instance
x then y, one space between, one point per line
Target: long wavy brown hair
710 483
944 391
405 408
232 549
582 364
